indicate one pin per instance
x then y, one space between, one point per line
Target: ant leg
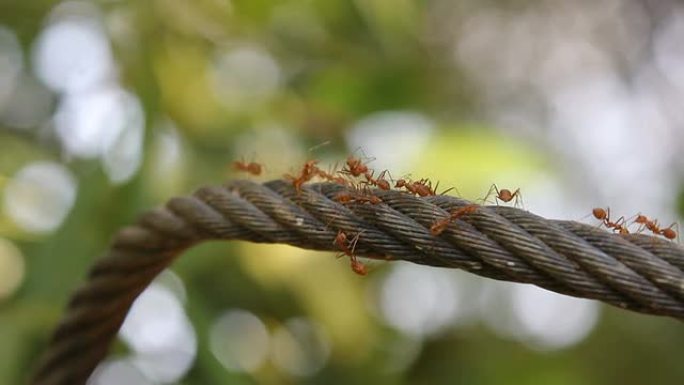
354 241
630 220
369 176
656 226
606 220
518 199
319 145
492 189
498 194
676 225
619 225
356 266
447 190
363 156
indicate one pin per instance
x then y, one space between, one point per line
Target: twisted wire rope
635 271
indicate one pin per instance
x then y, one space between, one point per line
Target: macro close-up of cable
635 272
334 192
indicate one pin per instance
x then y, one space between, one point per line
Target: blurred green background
110 107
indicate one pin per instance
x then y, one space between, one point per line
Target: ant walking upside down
347 246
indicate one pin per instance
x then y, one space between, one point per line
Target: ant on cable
309 170
505 195
358 194
347 248
379 182
652 225
331 177
253 168
348 197
604 216
354 166
421 188
439 226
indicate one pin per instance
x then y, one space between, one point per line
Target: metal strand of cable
636 272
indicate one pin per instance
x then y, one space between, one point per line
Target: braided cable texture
636 272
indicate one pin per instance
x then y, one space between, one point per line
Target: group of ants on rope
359 179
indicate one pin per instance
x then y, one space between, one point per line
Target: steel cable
635 271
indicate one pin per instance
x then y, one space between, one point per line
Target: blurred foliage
339 61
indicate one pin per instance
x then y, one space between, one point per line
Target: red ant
421 188
355 167
360 196
347 248
669 232
604 216
330 177
253 168
424 188
504 195
309 170
447 190
401 183
652 225
439 226
380 182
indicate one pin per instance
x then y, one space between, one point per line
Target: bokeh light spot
167 163
103 122
239 341
123 155
393 138
420 301
116 372
273 145
171 281
245 75
160 334
300 347
39 197
541 319
73 55
552 321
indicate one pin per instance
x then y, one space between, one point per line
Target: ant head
598 212
358 267
669 233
